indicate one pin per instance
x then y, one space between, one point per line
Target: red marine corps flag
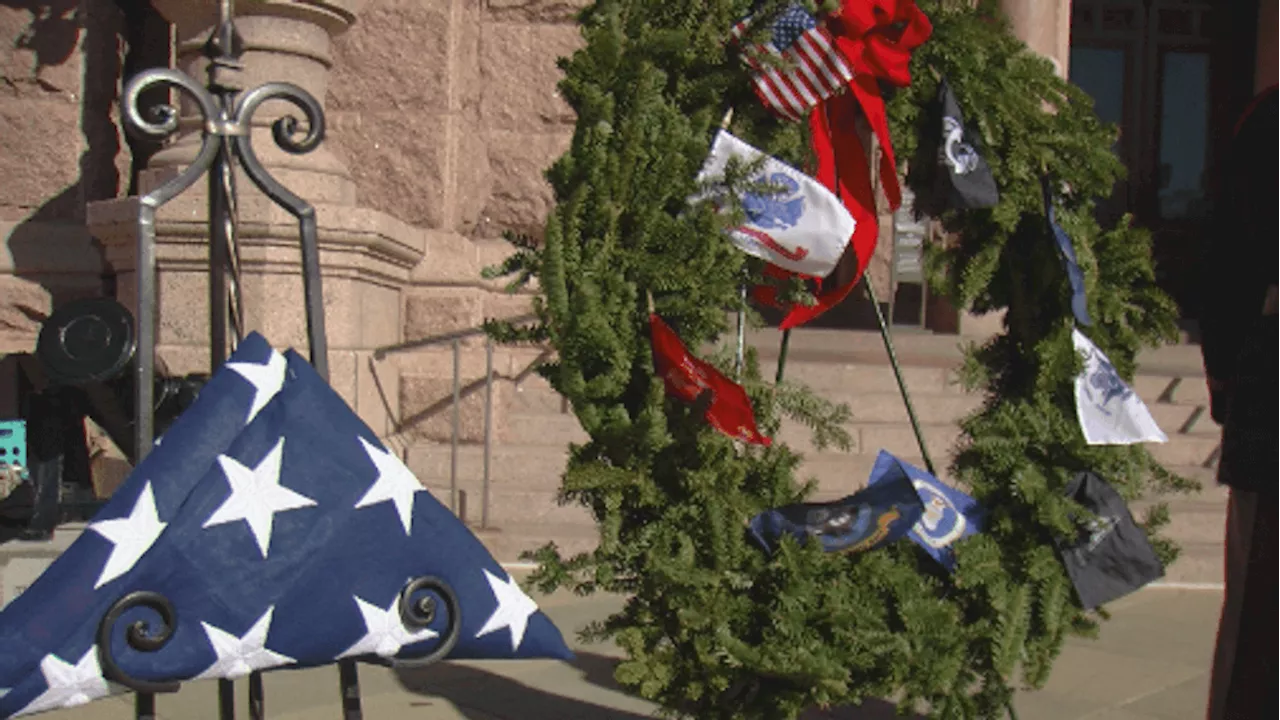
687 378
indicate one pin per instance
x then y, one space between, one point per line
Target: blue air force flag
870 518
800 225
1110 412
302 541
948 516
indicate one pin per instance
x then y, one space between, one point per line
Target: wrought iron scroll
226 117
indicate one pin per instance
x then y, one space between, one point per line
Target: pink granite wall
447 114
60 148
446 110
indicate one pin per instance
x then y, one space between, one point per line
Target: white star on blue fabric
132 536
3 692
385 633
69 685
395 483
256 496
266 380
239 656
513 611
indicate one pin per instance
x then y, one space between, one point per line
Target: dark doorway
1173 75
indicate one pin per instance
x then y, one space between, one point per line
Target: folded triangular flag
803 228
870 518
968 178
948 516
302 541
1079 302
1111 557
234 395
1110 412
687 378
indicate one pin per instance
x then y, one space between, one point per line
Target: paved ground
1151 663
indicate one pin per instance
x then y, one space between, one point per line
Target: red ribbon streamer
877 37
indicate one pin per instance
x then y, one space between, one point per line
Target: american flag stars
282 533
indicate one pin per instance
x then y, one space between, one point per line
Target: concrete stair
529 448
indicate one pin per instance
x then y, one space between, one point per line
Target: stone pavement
1150 663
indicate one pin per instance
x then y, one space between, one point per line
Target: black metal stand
227 116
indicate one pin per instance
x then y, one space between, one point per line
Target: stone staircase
532 430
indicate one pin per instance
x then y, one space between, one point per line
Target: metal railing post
488 430
453 434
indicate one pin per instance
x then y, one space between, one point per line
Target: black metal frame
227 116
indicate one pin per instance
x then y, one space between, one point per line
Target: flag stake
782 354
897 374
742 334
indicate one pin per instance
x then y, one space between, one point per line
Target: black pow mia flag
963 179
1111 556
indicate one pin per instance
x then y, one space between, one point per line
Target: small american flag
811 68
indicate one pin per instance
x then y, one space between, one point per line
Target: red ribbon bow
877 38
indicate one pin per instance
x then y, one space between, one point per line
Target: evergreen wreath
712 627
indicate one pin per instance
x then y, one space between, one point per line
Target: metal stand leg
144 706
226 700
349 679
257 697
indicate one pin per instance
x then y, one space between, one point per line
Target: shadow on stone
598 670
482 695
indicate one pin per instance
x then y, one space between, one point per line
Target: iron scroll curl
418 614
285 131
139 636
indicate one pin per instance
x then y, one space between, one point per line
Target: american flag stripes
808 67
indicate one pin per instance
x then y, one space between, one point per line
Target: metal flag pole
885 335
897 374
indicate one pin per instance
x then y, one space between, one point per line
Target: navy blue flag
948 516
1079 303
300 541
870 518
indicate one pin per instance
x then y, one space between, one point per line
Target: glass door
1168 74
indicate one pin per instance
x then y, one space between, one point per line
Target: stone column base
365 259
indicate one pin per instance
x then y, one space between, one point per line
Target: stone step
924 348
1197 563
508 542
871 392
511 467
884 423
1190 522
1173 419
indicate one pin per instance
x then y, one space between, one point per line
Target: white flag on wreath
805 228
1110 412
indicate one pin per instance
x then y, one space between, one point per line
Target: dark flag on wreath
948 516
1079 301
688 378
965 178
270 528
870 518
1111 556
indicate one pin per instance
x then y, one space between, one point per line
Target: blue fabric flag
868 519
1079 303
286 542
949 514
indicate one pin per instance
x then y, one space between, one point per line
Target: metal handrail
442 338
